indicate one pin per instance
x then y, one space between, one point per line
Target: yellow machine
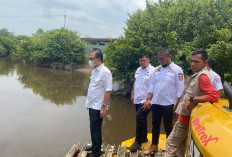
210 128
209 135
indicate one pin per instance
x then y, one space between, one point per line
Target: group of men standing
160 90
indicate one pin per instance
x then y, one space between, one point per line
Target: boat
209 134
121 151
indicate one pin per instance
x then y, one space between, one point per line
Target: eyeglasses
92 58
160 59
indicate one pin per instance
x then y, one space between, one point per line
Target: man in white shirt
99 91
215 78
165 89
138 96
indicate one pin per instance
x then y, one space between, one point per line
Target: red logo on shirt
181 77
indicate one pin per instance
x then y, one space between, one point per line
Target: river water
42 112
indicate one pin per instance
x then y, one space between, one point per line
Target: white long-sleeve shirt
167 84
101 82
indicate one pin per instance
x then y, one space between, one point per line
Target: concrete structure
96 43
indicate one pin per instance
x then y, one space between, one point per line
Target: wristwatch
104 105
191 98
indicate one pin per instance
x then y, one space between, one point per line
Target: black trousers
141 123
159 112
96 131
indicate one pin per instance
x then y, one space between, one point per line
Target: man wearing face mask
99 91
166 87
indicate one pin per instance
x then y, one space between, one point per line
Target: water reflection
119 125
60 87
31 125
6 66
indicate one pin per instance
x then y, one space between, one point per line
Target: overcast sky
91 18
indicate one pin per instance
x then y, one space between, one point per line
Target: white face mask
91 63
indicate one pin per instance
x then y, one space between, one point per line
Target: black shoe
135 146
145 141
95 155
88 150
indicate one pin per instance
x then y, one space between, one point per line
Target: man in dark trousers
138 96
99 91
165 89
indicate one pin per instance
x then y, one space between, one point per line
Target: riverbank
54 100
119 87
86 69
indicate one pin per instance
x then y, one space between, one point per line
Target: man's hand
146 105
103 112
175 106
132 94
174 110
132 98
186 105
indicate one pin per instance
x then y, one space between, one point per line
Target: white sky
91 18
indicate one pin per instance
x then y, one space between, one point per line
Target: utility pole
64 21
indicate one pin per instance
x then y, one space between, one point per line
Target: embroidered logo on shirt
158 69
171 70
181 76
147 74
217 80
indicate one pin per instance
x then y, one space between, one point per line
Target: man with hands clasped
165 89
138 96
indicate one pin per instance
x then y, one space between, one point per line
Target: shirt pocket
136 75
96 81
170 76
157 77
191 87
146 80
146 76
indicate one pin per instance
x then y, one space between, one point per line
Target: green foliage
180 25
39 31
221 52
59 45
2 50
4 32
7 45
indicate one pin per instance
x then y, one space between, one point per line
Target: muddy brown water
42 112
